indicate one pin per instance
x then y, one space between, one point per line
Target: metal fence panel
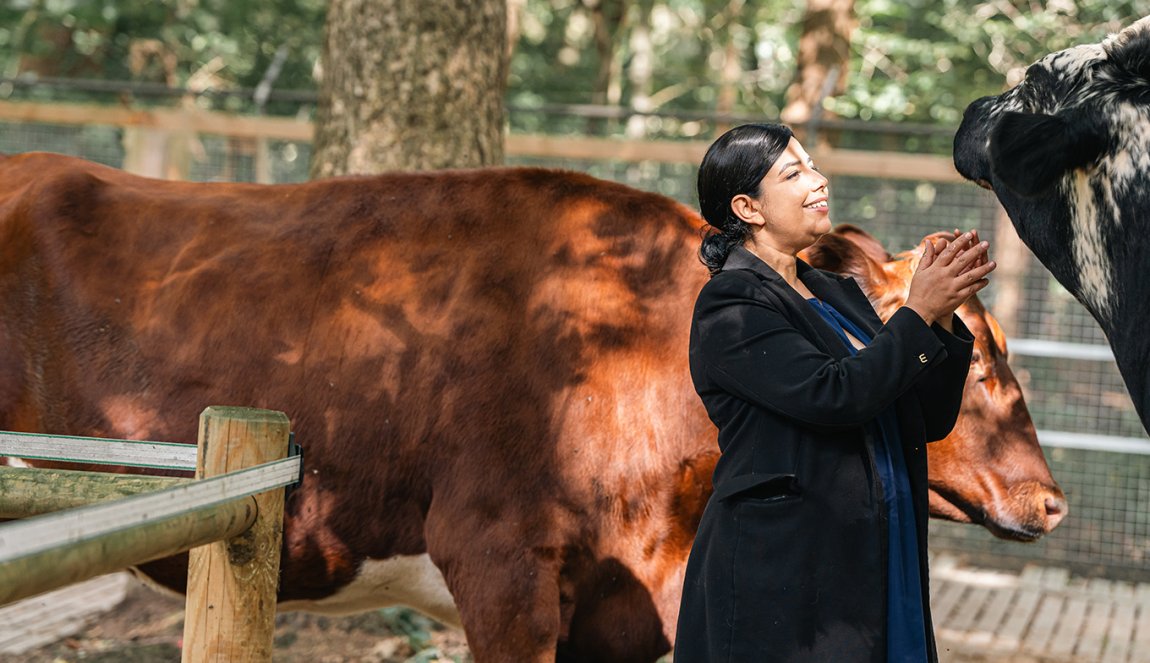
1058 352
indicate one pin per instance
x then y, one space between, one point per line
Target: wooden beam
200 121
604 149
232 584
113 551
886 165
28 492
881 165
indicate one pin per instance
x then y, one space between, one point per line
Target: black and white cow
1067 153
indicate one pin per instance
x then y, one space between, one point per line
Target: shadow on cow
487 370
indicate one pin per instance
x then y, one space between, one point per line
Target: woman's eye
793 175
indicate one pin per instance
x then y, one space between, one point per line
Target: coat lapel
844 295
809 323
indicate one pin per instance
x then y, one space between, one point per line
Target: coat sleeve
748 347
940 390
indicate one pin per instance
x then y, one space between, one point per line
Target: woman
813 546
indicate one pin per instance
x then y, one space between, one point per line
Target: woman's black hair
735 164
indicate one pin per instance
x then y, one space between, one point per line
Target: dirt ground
147 628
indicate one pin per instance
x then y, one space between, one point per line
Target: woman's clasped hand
948 274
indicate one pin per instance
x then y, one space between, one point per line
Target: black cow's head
1067 153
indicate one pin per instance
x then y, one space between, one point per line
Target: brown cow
1002 483
487 370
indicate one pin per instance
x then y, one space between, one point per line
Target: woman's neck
782 262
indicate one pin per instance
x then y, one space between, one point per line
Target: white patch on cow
1131 160
411 580
291 356
1072 62
130 419
1087 248
1113 177
1118 172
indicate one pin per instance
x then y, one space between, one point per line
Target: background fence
1092 437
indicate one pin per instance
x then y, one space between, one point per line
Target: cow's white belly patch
410 580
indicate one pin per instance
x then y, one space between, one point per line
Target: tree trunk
411 86
731 74
823 60
640 71
515 9
609 19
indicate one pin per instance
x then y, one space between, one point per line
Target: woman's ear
747 210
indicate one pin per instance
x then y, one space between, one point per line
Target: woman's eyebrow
788 165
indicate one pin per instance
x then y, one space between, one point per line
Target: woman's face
792 206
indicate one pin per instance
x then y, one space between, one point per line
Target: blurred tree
824 58
728 53
910 60
411 86
640 68
671 55
211 43
924 60
609 20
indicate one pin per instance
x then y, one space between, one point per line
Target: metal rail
99 451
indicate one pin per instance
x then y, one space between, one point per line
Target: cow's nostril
1055 511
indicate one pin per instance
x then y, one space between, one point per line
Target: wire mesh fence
1093 439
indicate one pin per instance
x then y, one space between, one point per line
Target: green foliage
197 43
912 60
925 60
555 58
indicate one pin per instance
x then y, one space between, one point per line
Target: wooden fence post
231 602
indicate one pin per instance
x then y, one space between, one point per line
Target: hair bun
715 248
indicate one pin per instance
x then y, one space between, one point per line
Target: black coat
790 560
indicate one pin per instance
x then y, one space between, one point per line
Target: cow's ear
1130 48
1031 152
865 241
841 255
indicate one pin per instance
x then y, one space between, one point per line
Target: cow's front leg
507 591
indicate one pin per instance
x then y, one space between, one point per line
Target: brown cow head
990 470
